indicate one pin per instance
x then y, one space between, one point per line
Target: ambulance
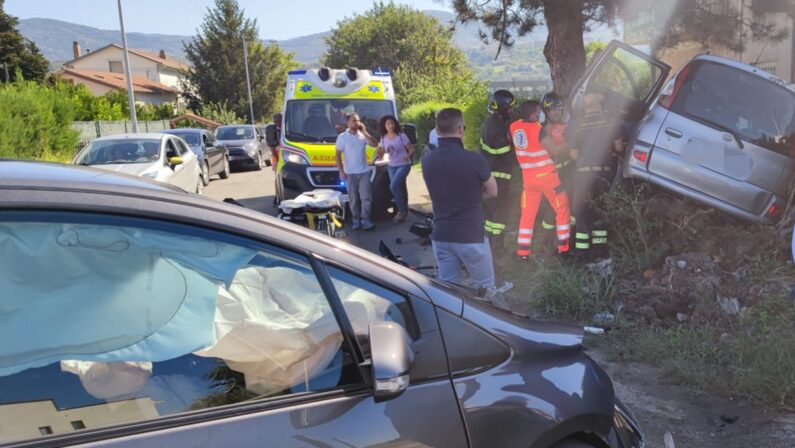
316 105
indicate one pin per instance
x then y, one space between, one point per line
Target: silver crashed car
161 157
135 315
719 132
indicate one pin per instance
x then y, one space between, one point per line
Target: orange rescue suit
539 179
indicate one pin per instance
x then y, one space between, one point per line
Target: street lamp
248 81
128 73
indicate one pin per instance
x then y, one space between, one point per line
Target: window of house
115 67
150 320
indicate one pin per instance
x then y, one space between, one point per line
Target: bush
422 116
36 123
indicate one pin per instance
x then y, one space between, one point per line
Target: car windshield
193 138
758 110
108 152
323 120
235 133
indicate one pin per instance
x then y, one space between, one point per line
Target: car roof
140 136
26 174
184 131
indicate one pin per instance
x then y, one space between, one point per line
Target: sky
276 19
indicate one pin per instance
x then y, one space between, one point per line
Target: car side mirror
271 135
174 161
392 357
411 132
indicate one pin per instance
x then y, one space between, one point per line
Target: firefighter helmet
501 100
551 101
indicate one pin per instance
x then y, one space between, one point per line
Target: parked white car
162 157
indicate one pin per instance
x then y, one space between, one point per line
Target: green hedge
421 115
35 123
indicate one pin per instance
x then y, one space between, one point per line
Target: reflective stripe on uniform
599 233
525 231
599 240
564 236
501 175
495 151
579 245
524 241
528 166
582 236
566 227
547 225
531 153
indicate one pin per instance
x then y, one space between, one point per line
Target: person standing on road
396 144
598 142
539 179
351 157
458 181
277 121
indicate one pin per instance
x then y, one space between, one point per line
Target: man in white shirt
351 160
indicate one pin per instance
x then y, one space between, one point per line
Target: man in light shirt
351 157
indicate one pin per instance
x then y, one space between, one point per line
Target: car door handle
673 132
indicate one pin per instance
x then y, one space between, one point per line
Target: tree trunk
564 50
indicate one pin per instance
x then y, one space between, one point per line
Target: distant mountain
523 61
55 38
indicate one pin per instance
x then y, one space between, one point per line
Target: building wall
21 421
99 62
96 89
169 77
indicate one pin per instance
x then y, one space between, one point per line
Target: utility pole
128 73
248 81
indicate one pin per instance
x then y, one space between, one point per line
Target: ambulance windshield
322 120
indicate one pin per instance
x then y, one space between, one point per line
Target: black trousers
498 213
590 234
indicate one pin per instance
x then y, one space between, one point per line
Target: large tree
412 44
217 72
18 53
714 22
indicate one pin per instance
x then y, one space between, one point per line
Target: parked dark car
719 132
247 148
213 156
137 315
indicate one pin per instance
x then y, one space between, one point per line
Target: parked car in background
246 145
213 157
221 326
162 157
720 132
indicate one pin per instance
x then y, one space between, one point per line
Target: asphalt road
255 190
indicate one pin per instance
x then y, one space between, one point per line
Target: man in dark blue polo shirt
458 181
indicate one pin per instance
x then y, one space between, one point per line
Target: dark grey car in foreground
137 315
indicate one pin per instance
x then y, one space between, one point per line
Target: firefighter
497 149
598 142
553 141
539 179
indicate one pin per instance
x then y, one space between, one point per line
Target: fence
90 130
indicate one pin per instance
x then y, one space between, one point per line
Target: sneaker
399 217
368 225
356 225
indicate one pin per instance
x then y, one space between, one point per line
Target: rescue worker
497 150
553 141
539 178
597 141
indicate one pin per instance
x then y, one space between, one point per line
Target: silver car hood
136 169
235 142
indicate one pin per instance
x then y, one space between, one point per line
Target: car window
171 149
628 74
235 133
191 137
182 148
107 324
365 301
760 111
108 152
